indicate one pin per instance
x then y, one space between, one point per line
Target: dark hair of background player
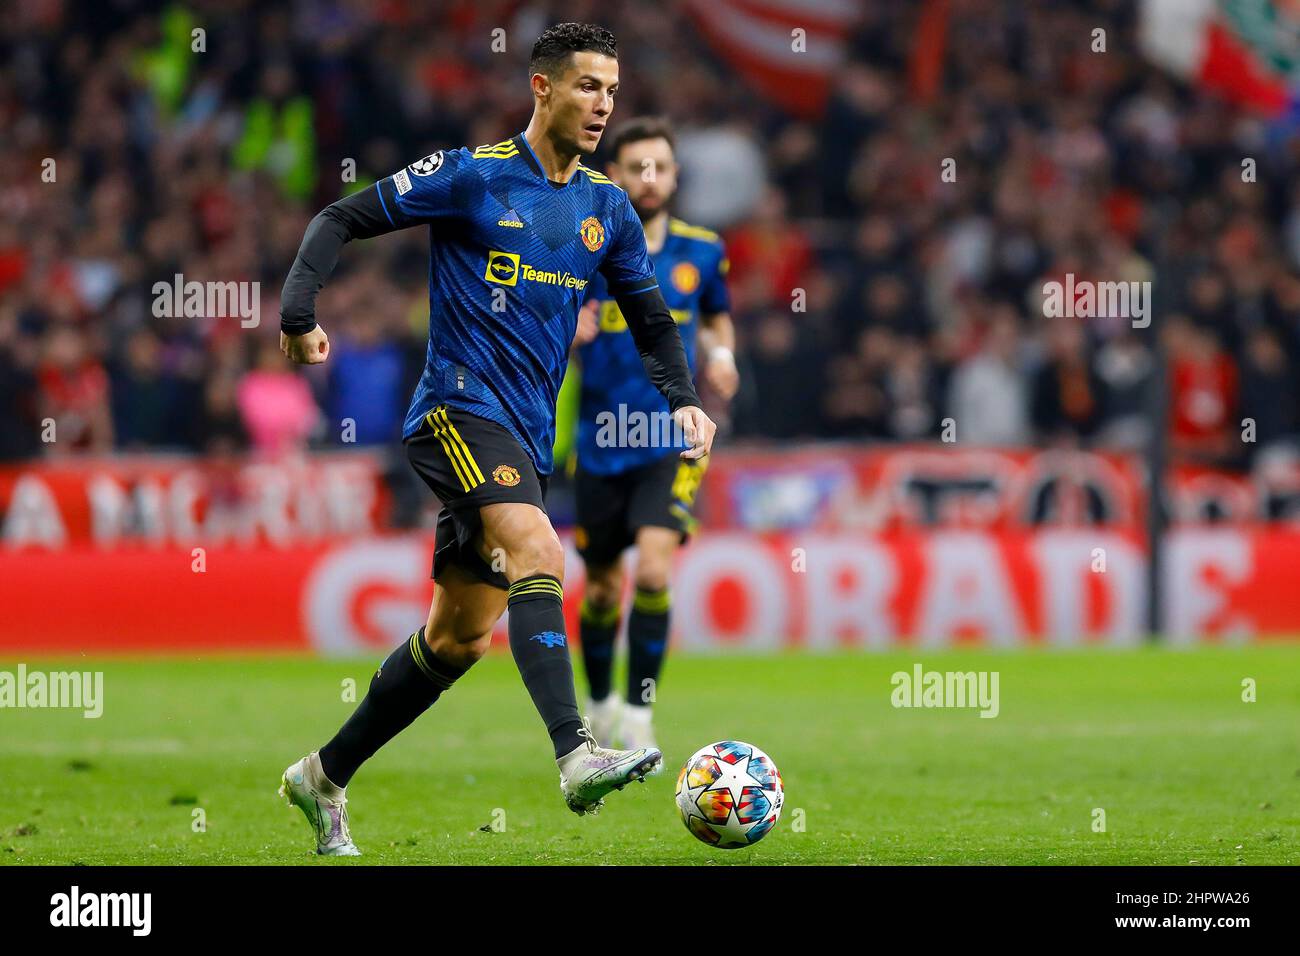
638 129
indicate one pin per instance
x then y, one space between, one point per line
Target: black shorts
612 508
470 462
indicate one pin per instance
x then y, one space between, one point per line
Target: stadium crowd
874 297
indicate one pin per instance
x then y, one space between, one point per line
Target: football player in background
632 488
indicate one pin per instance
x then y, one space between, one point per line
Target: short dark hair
638 129
553 48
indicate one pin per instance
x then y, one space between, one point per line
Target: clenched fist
310 348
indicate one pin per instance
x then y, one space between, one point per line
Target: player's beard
645 212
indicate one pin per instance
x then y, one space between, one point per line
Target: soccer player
517 231
633 491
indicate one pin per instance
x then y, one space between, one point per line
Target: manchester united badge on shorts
506 475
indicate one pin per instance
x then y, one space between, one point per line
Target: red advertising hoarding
733 590
155 554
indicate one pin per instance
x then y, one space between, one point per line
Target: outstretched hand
697 428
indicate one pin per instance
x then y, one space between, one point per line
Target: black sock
599 627
541 651
403 688
647 641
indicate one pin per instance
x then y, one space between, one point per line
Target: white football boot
638 731
589 771
603 718
306 787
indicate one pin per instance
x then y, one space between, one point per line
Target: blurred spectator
218 423
856 403
73 389
1268 392
147 402
367 382
769 257
276 404
1203 394
1124 366
988 400
914 386
221 429
19 421
777 369
279 133
1067 391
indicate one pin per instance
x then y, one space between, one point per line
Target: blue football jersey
511 258
691 265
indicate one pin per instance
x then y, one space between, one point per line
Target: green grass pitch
1184 769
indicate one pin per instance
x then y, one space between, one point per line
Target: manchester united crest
592 232
685 277
506 475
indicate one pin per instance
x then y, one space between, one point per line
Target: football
729 794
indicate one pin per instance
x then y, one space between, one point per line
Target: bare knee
541 554
652 575
523 535
604 586
654 563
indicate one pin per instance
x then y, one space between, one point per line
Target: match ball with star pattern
729 794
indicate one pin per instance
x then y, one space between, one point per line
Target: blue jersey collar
526 151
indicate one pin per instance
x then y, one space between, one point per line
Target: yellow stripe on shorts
446 448
472 469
